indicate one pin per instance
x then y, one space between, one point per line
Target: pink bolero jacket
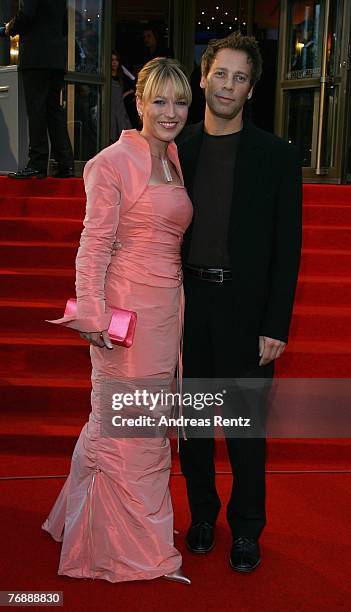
114 180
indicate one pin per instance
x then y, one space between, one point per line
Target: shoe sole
244 571
200 552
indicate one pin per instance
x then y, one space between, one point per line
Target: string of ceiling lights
216 19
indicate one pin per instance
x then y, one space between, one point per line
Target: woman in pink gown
114 513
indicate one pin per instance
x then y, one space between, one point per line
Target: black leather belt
214 275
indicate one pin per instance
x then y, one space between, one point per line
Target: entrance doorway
313 74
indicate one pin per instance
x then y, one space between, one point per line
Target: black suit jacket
42 26
265 229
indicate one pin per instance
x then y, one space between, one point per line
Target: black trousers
211 339
42 90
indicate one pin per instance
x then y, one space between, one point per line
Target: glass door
311 90
88 88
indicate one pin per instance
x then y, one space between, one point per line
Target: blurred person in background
127 81
42 27
154 43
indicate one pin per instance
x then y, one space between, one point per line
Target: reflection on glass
334 38
329 126
84 119
85 18
300 113
305 40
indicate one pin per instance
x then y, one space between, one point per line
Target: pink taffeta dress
114 514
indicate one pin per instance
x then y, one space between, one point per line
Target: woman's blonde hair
154 76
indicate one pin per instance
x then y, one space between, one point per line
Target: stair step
32 253
40 229
55 355
307 322
34 283
323 290
47 356
315 359
327 236
325 322
42 187
25 316
325 214
327 194
37 206
326 261
41 394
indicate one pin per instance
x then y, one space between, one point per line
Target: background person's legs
56 122
36 87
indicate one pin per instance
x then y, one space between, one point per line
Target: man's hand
270 349
99 339
7 29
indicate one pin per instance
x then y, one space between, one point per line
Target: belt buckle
221 278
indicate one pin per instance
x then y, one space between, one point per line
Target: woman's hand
100 339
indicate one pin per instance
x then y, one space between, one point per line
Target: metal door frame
315 173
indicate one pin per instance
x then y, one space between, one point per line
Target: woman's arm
98 235
94 254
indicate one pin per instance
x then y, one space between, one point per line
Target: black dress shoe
64 172
200 537
245 554
27 173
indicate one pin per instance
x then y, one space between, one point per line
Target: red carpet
44 383
305 553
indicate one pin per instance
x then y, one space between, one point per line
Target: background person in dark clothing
122 76
155 45
42 26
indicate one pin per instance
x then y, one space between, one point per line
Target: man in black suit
42 26
241 258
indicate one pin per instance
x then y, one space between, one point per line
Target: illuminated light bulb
226 13
202 12
212 18
235 19
221 22
217 8
208 27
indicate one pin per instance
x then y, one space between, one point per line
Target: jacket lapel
189 154
249 175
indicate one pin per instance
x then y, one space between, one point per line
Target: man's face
149 39
227 84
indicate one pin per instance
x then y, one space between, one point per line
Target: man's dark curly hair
236 41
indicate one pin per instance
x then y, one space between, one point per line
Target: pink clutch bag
122 326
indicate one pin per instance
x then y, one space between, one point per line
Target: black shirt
212 198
